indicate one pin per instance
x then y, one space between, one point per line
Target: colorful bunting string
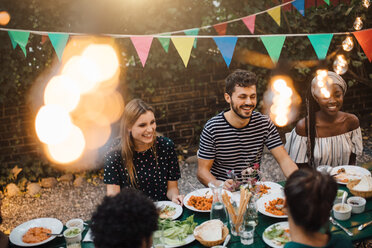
226 45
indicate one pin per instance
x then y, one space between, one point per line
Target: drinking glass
158 239
246 232
218 210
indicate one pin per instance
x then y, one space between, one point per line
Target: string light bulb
340 65
348 44
358 24
366 3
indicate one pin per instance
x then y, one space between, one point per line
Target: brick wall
181 110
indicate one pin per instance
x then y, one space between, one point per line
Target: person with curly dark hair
126 220
309 198
234 139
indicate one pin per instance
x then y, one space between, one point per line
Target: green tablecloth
264 221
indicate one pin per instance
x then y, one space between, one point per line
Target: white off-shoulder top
333 151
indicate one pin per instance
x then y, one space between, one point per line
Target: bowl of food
75 223
72 235
342 211
339 195
362 187
357 204
211 233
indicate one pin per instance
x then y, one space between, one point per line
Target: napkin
88 236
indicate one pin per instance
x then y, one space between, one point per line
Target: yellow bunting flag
275 14
183 46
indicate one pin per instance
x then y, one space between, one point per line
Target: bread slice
210 230
365 184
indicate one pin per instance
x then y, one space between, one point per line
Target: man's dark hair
240 78
124 220
309 196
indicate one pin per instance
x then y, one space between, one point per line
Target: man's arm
283 159
204 171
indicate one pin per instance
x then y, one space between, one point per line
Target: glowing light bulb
366 3
348 44
325 92
340 65
358 24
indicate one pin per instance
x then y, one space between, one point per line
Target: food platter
266 199
352 172
283 225
200 192
17 233
162 205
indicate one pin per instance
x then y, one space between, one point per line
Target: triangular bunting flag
14 44
275 14
227 46
183 46
220 28
320 43
273 45
21 38
59 42
194 31
365 41
300 6
142 45
164 42
44 39
327 1
249 21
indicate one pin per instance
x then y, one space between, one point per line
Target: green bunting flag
59 42
14 44
21 38
194 31
327 1
320 44
164 42
273 45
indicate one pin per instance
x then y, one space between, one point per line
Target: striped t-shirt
236 148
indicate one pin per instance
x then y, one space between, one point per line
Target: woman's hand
178 199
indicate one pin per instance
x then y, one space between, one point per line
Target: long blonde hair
133 110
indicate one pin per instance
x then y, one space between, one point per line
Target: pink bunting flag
44 39
364 38
220 28
142 45
249 21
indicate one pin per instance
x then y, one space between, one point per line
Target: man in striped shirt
234 139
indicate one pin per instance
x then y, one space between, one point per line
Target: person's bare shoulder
300 127
351 121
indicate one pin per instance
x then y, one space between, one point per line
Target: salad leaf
176 231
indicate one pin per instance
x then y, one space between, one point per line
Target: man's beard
237 112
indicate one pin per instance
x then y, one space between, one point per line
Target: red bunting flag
220 28
365 41
44 39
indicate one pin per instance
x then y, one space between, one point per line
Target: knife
335 223
360 228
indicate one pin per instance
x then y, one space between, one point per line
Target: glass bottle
218 210
251 215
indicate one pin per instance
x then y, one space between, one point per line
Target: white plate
200 192
161 204
353 172
269 242
190 238
265 199
51 223
274 187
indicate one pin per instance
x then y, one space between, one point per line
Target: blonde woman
140 159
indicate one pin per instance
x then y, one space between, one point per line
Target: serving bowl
339 195
357 204
342 211
225 232
72 235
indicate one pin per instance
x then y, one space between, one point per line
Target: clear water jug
218 210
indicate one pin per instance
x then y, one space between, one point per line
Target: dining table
263 222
